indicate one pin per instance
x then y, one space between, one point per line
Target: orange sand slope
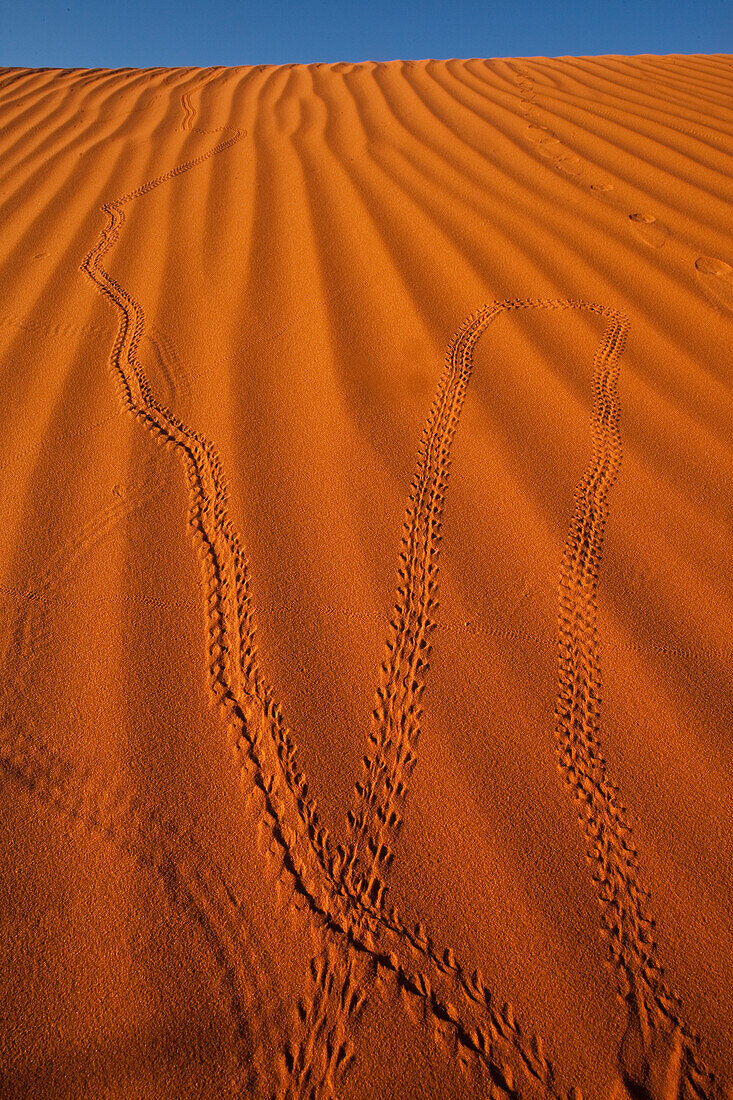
367 580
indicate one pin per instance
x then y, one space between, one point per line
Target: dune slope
366 574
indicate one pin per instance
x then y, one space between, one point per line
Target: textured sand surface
367 587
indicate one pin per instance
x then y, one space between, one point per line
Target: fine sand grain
367 579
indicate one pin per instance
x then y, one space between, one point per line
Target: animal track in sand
716 279
345 900
547 143
175 377
549 146
55 329
714 276
343 884
649 229
101 802
31 629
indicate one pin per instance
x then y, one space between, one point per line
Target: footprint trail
344 884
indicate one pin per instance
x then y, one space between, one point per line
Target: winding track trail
380 202
345 884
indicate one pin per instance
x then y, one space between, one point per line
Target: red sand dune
367 580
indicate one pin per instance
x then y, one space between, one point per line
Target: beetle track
236 680
350 901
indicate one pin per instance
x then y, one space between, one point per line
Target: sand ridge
359 940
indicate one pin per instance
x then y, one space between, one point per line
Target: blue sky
103 33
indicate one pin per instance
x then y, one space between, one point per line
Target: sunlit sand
367 580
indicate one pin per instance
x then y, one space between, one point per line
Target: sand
367 581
